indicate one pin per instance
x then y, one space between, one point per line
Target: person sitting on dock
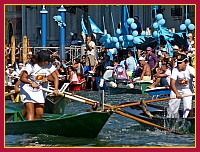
120 71
146 70
130 64
180 85
162 77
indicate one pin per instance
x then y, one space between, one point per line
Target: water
118 131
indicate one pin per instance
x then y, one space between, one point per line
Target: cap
164 50
9 65
11 68
136 18
189 35
30 53
149 48
141 58
181 58
175 47
20 63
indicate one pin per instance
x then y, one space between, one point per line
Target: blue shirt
131 64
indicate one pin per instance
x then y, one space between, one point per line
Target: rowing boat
84 125
158 115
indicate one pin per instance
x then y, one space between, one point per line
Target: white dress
35 74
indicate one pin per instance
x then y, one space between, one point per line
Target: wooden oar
122 113
9 93
81 97
72 97
148 101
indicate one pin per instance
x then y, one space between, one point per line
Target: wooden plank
13 48
25 44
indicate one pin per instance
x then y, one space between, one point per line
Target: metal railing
71 52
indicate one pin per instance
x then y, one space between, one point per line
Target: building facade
25 20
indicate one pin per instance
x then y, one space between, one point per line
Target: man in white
91 50
180 78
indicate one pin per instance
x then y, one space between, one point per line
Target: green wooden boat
84 125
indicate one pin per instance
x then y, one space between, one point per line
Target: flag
94 27
83 27
124 21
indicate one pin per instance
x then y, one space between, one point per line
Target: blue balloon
187 22
130 20
182 27
119 31
191 27
155 34
143 33
135 33
136 40
117 45
129 37
124 44
108 41
133 26
108 35
159 17
121 39
114 39
155 25
161 22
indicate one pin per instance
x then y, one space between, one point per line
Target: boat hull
160 118
84 125
158 91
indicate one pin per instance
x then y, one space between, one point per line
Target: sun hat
175 47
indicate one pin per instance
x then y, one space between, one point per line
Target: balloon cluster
58 19
188 25
121 40
160 21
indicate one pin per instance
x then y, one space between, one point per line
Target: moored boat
137 87
124 86
84 125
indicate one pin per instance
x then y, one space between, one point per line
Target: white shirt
91 52
183 78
